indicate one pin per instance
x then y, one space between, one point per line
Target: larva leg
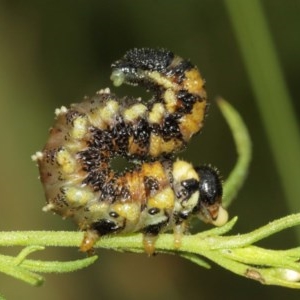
149 240
178 232
149 243
89 239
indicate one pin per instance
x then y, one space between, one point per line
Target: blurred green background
52 53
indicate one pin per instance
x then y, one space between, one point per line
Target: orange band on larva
159 193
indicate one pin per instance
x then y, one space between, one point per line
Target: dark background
52 53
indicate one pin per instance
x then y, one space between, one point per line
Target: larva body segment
159 193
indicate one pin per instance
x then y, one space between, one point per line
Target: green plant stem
235 253
49 266
273 99
25 269
165 241
243 147
20 273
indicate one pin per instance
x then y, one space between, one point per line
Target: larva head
209 207
198 192
131 69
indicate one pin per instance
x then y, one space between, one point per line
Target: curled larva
159 193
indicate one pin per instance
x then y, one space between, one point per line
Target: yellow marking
133 147
162 200
134 112
193 122
156 114
79 127
171 100
96 119
134 181
129 211
78 196
155 170
155 145
159 146
66 161
97 208
183 170
191 201
161 80
193 82
109 111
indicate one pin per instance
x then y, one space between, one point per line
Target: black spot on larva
120 134
125 193
96 178
71 115
170 128
179 70
187 100
109 192
153 211
92 158
105 226
155 229
181 216
145 59
101 139
184 215
151 185
141 133
191 185
113 214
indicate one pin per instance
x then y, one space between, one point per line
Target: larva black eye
210 185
